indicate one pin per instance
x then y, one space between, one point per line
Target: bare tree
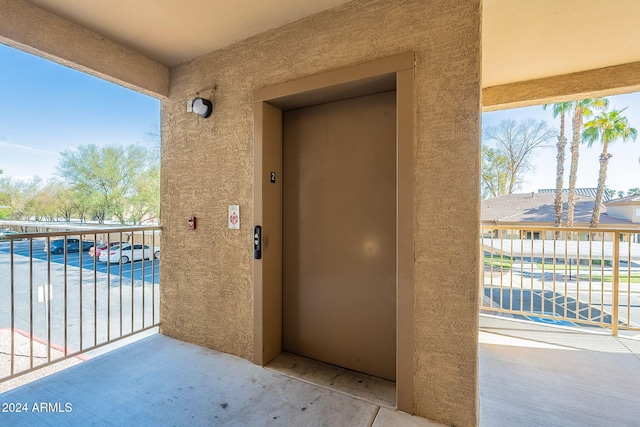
517 142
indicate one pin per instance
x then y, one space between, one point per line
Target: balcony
62 298
552 359
587 278
529 375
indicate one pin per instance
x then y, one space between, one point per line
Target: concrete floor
159 381
530 375
535 375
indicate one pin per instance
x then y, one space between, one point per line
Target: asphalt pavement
92 302
74 259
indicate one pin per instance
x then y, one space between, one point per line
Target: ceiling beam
608 81
36 31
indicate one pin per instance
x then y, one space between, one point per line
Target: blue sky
46 108
623 171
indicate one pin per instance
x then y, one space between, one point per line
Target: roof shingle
539 208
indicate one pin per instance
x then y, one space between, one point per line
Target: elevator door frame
393 73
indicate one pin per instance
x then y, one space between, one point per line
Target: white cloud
24 148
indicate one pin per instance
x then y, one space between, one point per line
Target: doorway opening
330 301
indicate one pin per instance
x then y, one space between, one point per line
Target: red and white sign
234 217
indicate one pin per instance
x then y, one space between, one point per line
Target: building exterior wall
207 165
630 211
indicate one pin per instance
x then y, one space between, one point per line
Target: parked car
97 250
127 252
6 232
73 245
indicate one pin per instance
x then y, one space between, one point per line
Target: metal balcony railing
565 276
59 300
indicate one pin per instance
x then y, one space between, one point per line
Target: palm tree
606 127
581 109
559 109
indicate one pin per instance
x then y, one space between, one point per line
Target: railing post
615 291
12 351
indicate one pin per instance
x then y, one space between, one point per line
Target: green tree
607 127
559 109
516 142
145 202
60 200
582 109
35 199
84 206
42 205
633 191
494 173
112 178
5 198
24 204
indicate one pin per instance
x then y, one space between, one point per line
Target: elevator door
339 233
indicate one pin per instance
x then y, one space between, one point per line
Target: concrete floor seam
344 393
373 418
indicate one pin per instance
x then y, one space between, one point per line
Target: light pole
569 268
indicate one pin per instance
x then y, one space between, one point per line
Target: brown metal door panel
339 233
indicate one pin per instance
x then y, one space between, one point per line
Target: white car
124 253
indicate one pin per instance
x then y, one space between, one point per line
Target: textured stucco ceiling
522 40
530 39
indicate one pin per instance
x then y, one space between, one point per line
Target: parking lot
135 269
92 301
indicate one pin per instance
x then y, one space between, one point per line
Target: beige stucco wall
627 211
207 165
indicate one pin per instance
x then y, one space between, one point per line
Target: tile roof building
538 208
625 207
591 192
